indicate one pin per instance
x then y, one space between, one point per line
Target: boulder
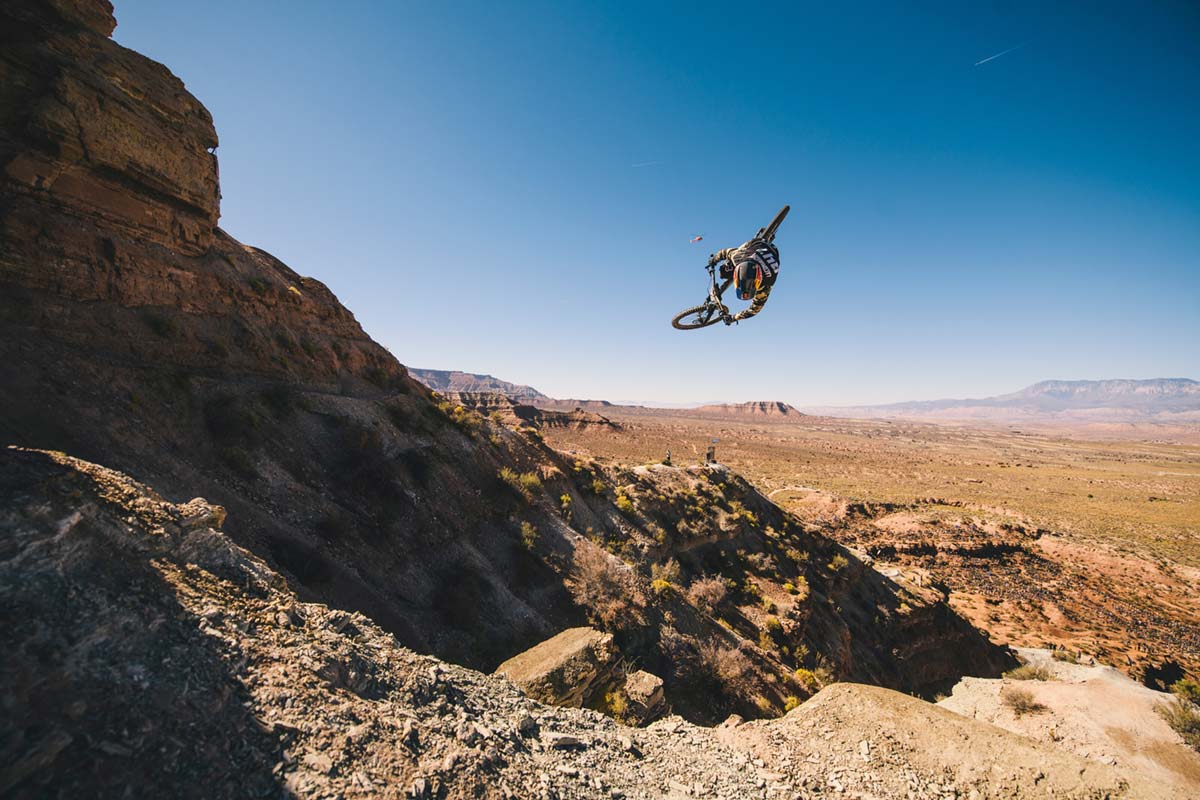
565 669
644 696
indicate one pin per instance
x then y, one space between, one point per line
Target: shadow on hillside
110 687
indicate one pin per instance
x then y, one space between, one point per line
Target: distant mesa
448 380
758 408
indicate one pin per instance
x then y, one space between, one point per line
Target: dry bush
707 593
1069 656
606 588
1020 700
728 664
669 572
1029 672
1184 718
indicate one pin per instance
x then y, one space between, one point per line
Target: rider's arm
760 300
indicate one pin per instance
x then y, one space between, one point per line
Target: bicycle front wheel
698 317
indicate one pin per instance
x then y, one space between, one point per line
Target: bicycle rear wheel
698 317
769 233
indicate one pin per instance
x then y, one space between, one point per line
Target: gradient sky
462 175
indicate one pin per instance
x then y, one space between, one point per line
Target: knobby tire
680 323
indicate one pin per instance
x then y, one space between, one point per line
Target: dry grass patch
1020 701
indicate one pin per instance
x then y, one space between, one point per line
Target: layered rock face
136 333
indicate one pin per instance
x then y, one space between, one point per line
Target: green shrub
661 586
1188 689
791 702
789 588
524 484
564 503
529 535
530 482
624 503
838 563
598 486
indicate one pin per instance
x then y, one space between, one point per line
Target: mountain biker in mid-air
753 268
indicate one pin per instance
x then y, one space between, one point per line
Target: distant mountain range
1162 400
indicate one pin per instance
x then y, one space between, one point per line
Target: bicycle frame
715 292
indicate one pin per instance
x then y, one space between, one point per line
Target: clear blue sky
462 176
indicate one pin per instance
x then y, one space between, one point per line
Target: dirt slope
1092 711
147 653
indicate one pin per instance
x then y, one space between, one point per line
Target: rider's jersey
766 256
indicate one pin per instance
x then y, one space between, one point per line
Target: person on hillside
752 268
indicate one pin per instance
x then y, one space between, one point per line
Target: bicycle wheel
769 233
698 317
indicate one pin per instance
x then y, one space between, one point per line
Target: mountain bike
713 310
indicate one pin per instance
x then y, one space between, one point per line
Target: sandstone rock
644 693
565 668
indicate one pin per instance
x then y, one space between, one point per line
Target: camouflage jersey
764 255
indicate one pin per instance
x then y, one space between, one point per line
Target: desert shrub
598 486
1188 689
1068 656
1020 701
707 593
727 664
524 484
1184 718
260 286
615 704
660 586
791 702
669 572
750 591
605 588
790 588
838 563
564 503
530 482
624 503
763 705
769 606
807 679
529 535
1029 672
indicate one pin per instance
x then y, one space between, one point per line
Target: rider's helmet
747 279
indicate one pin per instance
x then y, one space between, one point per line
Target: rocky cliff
136 333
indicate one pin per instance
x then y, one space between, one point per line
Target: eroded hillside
145 652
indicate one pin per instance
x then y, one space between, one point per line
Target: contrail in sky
645 164
1001 53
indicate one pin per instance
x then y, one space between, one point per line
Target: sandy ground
1095 712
